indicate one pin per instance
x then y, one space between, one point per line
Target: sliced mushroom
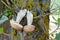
15 25
29 27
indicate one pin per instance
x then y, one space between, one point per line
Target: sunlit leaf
1 30
59 20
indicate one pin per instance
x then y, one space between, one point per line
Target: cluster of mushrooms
27 28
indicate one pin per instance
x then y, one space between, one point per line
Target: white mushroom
20 15
29 27
15 24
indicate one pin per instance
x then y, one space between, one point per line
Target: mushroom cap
29 28
16 25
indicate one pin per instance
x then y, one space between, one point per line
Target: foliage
55 9
57 21
58 36
8 13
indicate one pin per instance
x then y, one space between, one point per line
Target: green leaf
57 36
1 30
7 12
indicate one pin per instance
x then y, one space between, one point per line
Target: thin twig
6 34
5 4
47 13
